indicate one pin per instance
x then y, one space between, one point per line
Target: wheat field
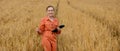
90 25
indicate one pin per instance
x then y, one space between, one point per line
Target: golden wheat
90 25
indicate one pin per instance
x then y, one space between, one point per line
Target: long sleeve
42 26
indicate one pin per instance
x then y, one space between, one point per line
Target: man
48 29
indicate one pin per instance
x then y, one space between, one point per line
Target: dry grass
90 25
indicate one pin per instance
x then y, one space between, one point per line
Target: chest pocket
50 25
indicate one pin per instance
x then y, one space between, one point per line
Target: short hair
49 7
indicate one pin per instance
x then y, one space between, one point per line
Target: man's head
50 11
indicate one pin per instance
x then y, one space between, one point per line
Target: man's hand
55 30
58 28
38 31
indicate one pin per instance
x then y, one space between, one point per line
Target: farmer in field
48 29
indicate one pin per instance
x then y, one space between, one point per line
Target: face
50 12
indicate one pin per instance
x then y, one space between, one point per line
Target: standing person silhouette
48 29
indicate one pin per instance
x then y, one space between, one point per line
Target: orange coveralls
49 41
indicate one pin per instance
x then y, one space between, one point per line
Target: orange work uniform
49 41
